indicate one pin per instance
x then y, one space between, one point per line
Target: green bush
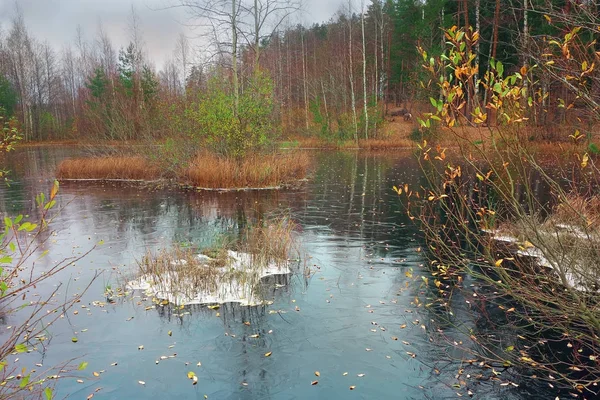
234 134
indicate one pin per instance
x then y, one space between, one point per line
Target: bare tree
364 68
266 17
182 49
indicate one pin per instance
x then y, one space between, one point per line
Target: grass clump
109 167
204 170
229 272
255 171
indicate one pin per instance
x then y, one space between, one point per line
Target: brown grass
580 211
393 142
119 167
255 171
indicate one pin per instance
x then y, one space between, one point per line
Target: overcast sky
56 21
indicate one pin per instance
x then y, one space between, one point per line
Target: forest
333 80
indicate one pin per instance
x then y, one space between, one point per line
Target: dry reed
119 167
255 171
182 277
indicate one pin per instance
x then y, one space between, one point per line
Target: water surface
354 313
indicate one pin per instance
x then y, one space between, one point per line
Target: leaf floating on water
344 374
170 333
96 374
314 383
317 373
141 382
129 319
113 364
268 354
89 397
254 336
195 381
413 355
199 364
141 347
74 339
360 375
394 338
215 307
82 366
352 387
191 374
402 326
79 381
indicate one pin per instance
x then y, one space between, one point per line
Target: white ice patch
236 282
572 277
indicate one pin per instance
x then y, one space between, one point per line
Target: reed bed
255 171
110 167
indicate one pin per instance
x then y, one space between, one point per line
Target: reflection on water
354 314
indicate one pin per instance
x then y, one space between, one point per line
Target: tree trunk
364 56
304 81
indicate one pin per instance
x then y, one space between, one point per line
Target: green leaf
48 393
8 222
18 218
82 366
24 381
499 68
74 339
510 348
6 260
433 102
49 205
27 226
12 247
20 348
2 365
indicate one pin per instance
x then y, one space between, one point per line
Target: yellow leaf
499 262
584 160
268 354
317 373
96 374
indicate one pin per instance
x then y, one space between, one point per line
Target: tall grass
232 273
206 170
110 167
256 171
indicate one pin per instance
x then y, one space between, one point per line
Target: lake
349 312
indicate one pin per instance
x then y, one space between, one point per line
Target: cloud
56 21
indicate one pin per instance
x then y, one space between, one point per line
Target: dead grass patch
255 171
229 272
119 167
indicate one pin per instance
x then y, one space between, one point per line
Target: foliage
234 134
484 222
10 136
21 245
8 97
98 84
